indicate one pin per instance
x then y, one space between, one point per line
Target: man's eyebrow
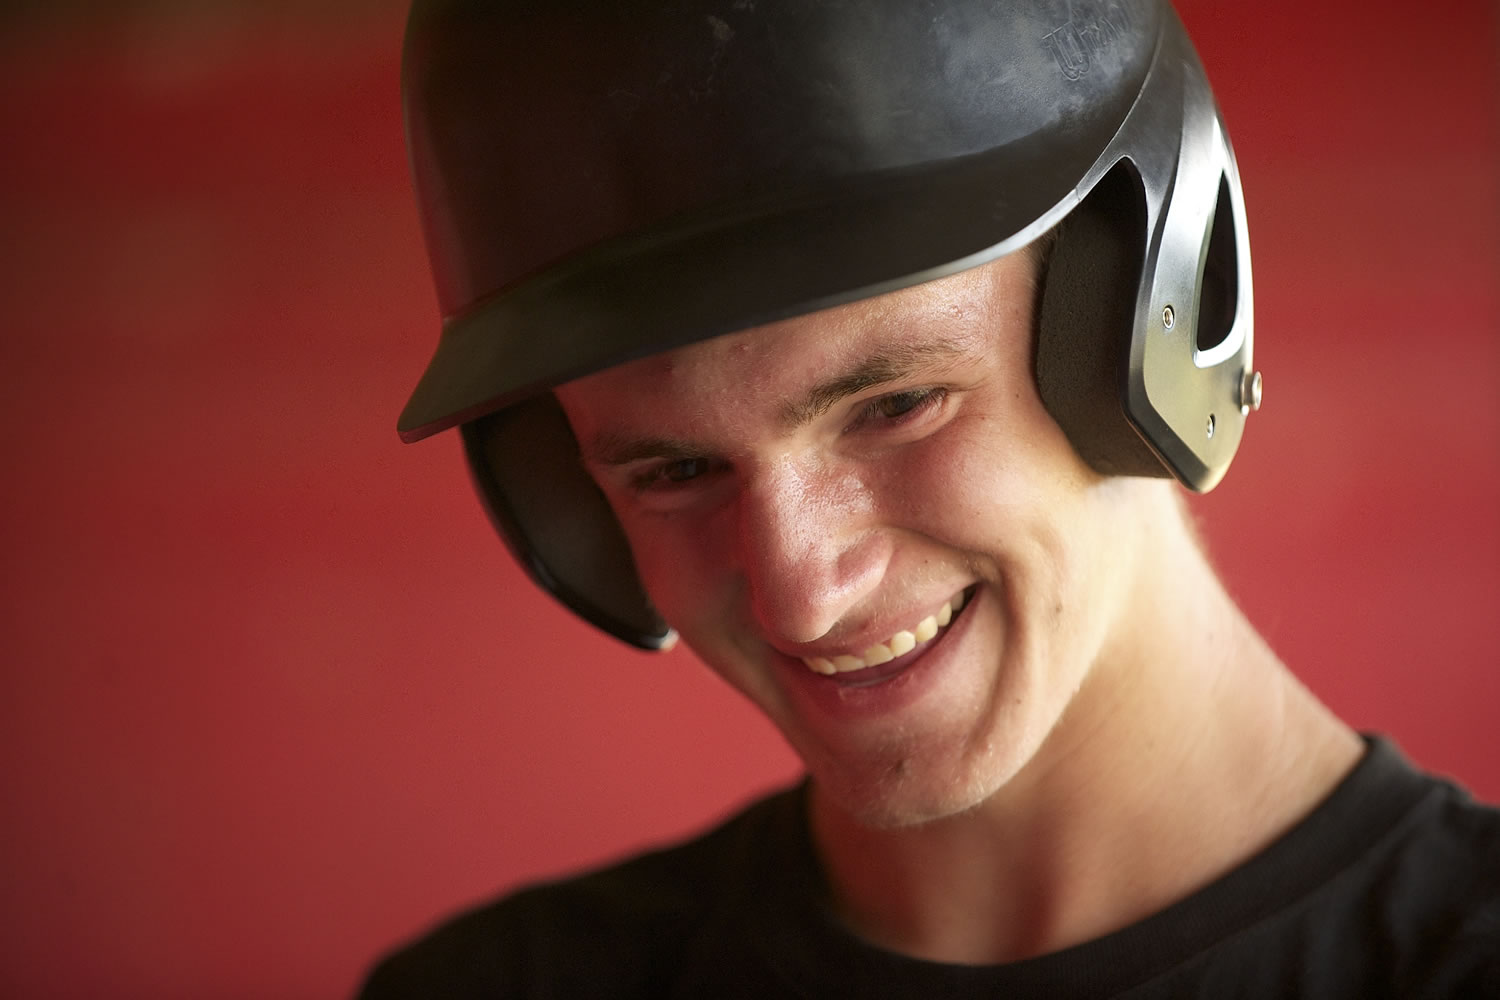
890 364
609 448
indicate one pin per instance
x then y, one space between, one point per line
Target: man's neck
1189 749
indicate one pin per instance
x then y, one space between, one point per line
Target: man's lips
893 653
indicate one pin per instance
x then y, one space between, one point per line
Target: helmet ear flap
1087 312
554 519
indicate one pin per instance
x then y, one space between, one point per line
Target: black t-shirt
1390 888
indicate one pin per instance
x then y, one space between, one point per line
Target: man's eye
671 473
684 469
898 405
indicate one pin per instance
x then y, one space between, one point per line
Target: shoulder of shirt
626 917
1438 889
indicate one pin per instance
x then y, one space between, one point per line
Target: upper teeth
900 644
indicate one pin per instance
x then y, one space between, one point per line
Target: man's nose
809 547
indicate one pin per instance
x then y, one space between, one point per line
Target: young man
859 346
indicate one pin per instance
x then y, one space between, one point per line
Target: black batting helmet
601 180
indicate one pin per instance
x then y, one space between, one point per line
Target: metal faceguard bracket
1144 343
1158 247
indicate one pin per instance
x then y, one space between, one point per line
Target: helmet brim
716 272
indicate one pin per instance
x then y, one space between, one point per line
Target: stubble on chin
902 792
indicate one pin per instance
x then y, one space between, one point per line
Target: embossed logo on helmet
1077 45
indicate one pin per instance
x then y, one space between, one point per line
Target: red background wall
274 697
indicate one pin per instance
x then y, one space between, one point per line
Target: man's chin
903 795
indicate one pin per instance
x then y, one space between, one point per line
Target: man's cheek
675 572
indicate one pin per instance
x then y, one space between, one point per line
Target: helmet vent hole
1219 297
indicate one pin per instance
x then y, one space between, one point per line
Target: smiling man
864 347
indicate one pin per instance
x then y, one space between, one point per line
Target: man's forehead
794 369
782 375
630 419
922 323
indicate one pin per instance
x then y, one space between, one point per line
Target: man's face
876 482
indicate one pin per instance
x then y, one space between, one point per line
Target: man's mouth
898 645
